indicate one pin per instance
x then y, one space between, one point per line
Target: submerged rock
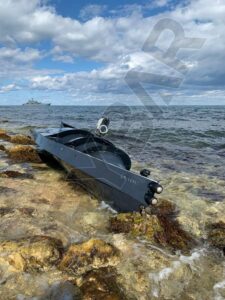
21 139
63 291
4 136
165 208
34 253
160 228
6 211
40 201
27 211
15 174
22 153
6 191
16 138
2 148
101 284
94 253
216 235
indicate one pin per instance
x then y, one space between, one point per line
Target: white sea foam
104 205
166 272
217 287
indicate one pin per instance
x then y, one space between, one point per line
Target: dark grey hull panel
117 199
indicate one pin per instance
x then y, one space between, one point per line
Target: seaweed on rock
22 153
160 228
94 253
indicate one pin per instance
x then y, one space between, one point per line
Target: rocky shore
57 242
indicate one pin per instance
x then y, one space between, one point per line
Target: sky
164 52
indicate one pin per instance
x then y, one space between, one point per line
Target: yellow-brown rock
3 135
22 153
15 174
160 228
94 253
34 253
21 139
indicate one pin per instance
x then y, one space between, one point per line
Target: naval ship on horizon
33 102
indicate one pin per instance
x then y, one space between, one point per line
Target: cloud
99 38
160 3
63 58
92 10
9 88
18 55
110 78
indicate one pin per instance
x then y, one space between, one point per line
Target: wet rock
165 208
28 211
174 236
2 148
90 222
15 174
216 235
34 253
101 284
162 228
50 227
40 167
40 201
6 191
4 136
21 139
22 153
6 210
190 224
168 283
94 253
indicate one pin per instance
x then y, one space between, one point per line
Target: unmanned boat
98 165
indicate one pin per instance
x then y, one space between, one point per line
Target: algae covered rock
160 228
27 211
21 139
101 284
2 148
15 174
165 208
6 210
216 235
4 136
34 253
22 153
94 253
16 138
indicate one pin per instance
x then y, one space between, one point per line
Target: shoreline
39 209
